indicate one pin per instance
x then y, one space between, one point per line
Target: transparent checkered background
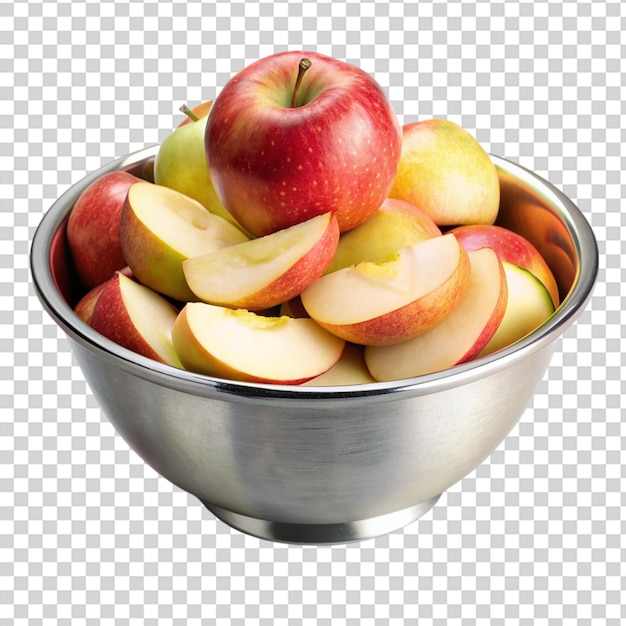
91 535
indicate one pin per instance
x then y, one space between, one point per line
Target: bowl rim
568 311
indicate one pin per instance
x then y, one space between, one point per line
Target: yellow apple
396 224
445 172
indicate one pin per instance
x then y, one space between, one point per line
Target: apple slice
267 271
456 339
239 345
511 248
528 306
392 301
85 306
137 318
396 224
160 228
350 369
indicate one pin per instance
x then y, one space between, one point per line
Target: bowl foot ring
316 534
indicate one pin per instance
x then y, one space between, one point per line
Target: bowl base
316 534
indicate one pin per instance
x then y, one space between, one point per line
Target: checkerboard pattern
90 535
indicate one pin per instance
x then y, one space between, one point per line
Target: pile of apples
294 233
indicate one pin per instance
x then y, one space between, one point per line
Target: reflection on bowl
323 464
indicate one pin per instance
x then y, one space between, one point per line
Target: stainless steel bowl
327 464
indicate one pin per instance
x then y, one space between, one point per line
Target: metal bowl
323 464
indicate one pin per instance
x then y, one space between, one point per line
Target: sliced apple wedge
392 301
85 306
136 317
528 306
160 228
239 345
396 224
457 338
350 369
511 248
267 271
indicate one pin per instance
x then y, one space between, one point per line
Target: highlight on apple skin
446 172
389 302
239 345
459 337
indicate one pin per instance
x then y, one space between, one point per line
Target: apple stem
304 65
189 113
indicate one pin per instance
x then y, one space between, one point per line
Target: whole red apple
93 228
299 134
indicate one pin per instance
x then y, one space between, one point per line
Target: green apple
529 305
239 345
459 337
396 224
181 164
160 228
445 172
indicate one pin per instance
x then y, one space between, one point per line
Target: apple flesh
445 172
528 306
396 224
137 318
389 302
511 248
239 345
275 165
459 337
180 164
160 228
93 228
265 272
350 369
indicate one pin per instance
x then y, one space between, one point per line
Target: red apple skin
85 306
510 247
93 228
274 166
110 318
